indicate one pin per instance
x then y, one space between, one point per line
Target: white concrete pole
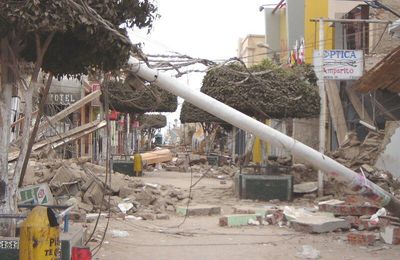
355 181
322 95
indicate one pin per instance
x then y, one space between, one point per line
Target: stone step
239 219
198 210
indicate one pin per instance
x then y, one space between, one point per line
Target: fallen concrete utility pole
356 182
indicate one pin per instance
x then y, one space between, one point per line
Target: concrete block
353 221
125 191
162 216
238 220
94 194
319 224
198 210
361 238
390 235
77 216
74 237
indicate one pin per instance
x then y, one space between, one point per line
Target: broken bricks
361 238
339 208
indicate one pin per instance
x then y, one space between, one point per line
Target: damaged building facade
352 106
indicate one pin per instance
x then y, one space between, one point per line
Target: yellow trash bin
138 164
40 236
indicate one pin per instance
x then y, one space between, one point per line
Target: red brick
361 238
348 210
275 217
355 199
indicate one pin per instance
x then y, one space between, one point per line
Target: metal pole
234 132
356 182
128 129
322 95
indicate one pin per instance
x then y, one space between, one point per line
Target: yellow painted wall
316 9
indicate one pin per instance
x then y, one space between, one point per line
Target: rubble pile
354 154
361 221
361 157
82 184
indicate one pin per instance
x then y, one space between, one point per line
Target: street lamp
266 46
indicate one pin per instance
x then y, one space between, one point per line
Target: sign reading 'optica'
340 64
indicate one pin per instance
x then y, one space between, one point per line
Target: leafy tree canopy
87 33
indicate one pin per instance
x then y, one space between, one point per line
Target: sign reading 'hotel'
63 98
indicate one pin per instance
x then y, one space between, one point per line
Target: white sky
202 29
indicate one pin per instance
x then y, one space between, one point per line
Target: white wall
389 159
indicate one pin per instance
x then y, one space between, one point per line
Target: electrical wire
108 178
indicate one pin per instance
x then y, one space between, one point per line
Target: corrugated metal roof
385 75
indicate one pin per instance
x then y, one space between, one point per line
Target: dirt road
201 238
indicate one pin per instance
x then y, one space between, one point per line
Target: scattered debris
125 206
308 253
80 183
119 233
305 187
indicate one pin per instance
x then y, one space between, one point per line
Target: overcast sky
202 29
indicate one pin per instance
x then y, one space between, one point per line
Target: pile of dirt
82 184
361 157
354 154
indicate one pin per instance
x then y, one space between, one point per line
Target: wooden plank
22 119
385 111
14 155
355 101
336 110
158 156
80 135
384 75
